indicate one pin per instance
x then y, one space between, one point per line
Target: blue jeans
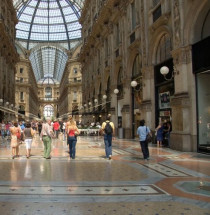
108 144
72 146
2 134
145 149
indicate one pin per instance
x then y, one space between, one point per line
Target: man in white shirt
46 136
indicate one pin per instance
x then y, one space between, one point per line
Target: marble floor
171 182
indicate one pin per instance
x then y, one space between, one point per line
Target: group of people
4 128
163 131
25 131
18 134
49 130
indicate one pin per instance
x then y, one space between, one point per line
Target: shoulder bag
148 137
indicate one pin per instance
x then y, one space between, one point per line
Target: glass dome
48 21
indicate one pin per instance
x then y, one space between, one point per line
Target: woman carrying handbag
15 139
28 134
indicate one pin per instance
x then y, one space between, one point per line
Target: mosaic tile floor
171 182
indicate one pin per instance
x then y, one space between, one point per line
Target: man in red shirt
56 127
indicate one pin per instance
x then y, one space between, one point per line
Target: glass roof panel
24 26
21 34
53 13
60 15
73 26
48 62
25 18
29 10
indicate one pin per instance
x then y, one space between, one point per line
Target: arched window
137 76
48 111
48 92
206 30
137 64
164 49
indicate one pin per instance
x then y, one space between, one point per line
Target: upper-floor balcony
48 99
22 80
74 81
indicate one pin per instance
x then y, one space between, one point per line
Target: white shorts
28 143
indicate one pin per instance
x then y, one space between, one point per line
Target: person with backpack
108 132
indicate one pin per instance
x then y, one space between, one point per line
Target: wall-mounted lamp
104 97
7 103
164 70
116 91
11 105
85 105
96 100
136 85
90 103
1 101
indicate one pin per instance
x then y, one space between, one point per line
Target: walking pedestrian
72 132
46 136
39 127
15 139
28 134
3 129
142 131
108 131
56 127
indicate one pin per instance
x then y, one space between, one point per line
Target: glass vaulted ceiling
48 22
48 62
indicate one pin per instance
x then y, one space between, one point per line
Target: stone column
126 111
183 136
146 108
114 111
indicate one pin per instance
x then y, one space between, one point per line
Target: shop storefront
164 92
201 68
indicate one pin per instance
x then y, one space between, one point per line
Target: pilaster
183 103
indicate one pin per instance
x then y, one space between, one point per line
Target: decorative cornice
125 108
181 99
182 55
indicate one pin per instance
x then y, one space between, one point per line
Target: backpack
108 128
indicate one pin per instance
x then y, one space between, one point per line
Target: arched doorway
21 112
164 87
136 93
201 69
48 111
